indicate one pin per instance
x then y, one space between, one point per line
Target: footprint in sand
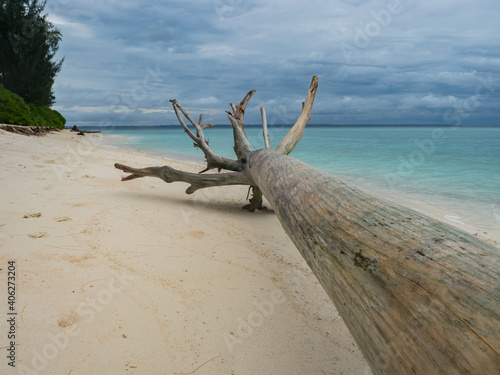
29 216
62 219
68 319
77 259
77 204
38 235
197 234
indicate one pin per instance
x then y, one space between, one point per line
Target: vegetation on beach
28 45
14 110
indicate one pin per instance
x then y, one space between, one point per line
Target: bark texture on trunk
418 295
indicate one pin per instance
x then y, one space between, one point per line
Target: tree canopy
28 45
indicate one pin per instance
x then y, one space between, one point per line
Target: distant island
228 126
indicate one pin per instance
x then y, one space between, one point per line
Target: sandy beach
139 278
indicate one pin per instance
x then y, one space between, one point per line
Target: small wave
454 219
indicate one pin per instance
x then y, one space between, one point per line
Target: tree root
255 201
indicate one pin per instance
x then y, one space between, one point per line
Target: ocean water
453 172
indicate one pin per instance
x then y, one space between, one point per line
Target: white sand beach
139 278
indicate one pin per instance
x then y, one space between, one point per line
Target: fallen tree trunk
418 296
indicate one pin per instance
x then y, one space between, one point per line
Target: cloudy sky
378 62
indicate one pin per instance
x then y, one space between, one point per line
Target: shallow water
454 171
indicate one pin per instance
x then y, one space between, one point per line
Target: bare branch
267 140
297 131
204 126
181 121
196 180
242 146
239 110
213 160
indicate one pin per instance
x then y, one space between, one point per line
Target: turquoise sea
453 172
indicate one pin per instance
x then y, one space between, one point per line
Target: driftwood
28 130
82 132
418 295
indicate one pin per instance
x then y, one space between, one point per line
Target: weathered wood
196 180
297 131
242 146
267 140
28 130
75 129
418 295
213 160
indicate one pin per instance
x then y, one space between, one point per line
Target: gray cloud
400 61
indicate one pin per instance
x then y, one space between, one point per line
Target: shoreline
160 281
447 213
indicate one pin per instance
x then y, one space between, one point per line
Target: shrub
14 111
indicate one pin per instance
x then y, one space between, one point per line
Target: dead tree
418 295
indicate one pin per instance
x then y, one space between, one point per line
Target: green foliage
15 111
28 44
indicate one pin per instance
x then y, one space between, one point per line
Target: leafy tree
28 44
